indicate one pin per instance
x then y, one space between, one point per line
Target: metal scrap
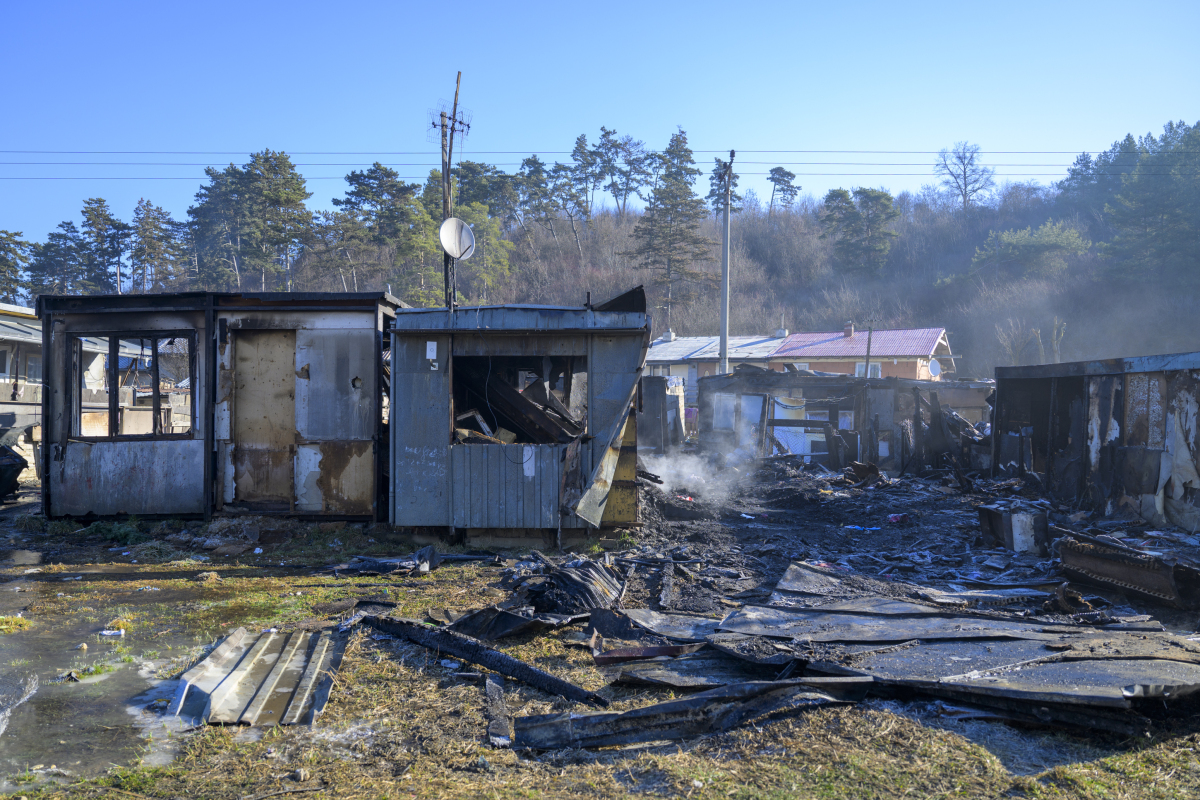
271 679
472 650
707 712
1107 562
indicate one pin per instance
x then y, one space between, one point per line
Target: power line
498 164
513 152
426 177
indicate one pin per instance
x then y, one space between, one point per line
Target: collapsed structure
1107 434
758 413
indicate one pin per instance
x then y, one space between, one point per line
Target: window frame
111 370
860 367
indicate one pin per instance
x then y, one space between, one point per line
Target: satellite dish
457 238
935 367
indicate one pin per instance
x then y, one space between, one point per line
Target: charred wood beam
526 415
706 712
476 652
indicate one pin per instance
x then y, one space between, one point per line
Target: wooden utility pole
448 127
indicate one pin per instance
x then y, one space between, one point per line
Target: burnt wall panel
129 477
335 385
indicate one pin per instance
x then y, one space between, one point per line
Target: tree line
996 263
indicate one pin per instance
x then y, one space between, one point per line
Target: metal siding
328 404
492 489
613 374
129 477
421 420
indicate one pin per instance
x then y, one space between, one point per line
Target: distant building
913 353
693 357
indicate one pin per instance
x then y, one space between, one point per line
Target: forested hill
1104 263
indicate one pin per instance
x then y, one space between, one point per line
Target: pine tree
858 224
56 266
14 257
156 257
668 233
105 243
782 186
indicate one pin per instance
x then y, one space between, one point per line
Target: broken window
133 386
519 399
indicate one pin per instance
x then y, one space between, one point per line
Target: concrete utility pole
448 127
723 367
870 330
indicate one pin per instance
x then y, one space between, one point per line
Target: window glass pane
33 369
3 362
135 387
92 379
175 384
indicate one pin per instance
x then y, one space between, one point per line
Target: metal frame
74 400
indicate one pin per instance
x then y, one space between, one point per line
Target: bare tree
1015 340
961 172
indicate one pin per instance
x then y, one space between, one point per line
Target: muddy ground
399 723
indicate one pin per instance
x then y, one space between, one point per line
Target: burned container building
895 423
1106 435
515 424
196 403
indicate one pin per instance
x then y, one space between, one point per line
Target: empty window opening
137 386
519 399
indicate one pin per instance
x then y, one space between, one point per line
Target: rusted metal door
264 418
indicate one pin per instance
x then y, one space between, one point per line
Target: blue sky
219 80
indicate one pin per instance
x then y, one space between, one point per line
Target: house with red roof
913 353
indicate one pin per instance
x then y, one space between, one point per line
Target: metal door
264 418
420 430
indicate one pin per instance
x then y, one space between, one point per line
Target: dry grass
399 726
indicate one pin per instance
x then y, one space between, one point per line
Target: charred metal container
196 403
515 424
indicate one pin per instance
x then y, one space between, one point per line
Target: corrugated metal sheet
507 486
905 343
128 477
271 679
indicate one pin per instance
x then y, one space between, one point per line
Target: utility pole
870 330
449 124
723 367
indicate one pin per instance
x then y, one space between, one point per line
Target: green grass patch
14 624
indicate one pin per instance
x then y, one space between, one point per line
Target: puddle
21 558
80 729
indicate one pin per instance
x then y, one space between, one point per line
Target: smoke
698 477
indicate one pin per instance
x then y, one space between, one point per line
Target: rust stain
347 477
302 372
